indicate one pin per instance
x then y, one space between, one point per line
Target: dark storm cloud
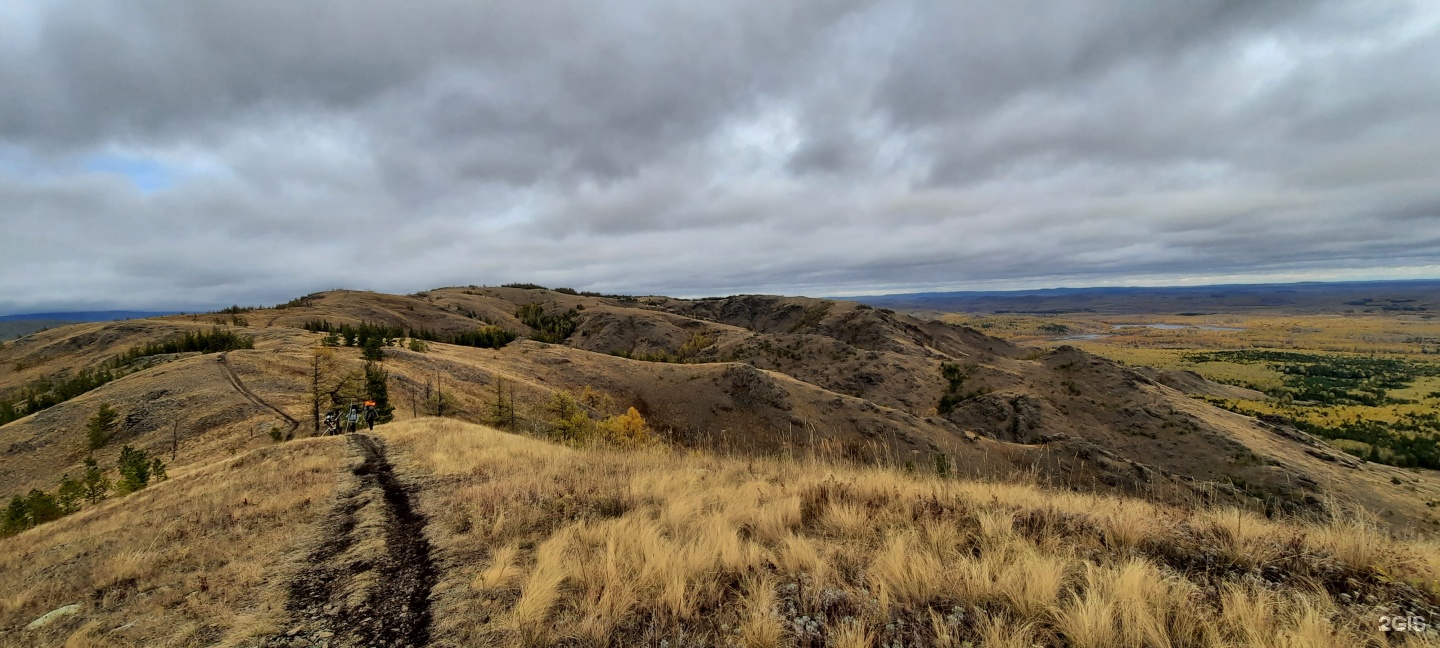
172 154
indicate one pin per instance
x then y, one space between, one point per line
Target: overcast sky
195 153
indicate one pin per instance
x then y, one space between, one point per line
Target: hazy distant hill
1416 296
13 326
85 316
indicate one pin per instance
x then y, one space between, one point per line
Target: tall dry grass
551 545
199 559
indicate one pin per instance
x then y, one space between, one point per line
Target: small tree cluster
351 335
37 507
485 337
569 423
548 328
44 393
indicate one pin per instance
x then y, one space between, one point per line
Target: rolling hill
838 387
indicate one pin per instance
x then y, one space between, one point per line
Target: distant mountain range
1418 296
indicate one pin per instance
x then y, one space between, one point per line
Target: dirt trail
239 386
368 582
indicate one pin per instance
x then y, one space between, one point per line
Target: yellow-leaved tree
628 429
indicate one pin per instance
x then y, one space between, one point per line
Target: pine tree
157 470
101 426
17 517
376 389
43 507
97 485
134 468
70 494
371 350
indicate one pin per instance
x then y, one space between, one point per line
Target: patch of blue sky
146 174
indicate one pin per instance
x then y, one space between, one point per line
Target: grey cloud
700 148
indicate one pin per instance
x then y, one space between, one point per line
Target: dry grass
196 560
604 547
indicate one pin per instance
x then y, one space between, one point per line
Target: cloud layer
191 154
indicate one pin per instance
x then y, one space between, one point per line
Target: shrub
419 346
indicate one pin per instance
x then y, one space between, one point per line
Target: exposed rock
53 615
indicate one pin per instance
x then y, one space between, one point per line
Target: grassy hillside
750 374
531 543
191 561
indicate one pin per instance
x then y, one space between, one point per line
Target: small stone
324 635
48 617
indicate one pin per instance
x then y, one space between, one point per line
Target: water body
1164 327
1172 327
1086 336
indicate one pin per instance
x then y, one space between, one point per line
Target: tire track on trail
239 386
352 592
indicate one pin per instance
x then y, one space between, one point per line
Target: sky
198 153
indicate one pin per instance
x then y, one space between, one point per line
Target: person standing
353 418
370 415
